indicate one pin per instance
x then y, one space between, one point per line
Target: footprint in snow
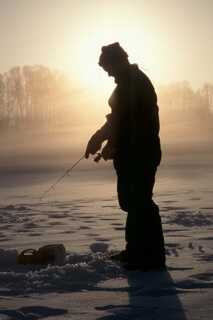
200 248
190 245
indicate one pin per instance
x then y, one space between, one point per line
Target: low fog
45 121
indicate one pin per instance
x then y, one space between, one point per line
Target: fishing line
67 172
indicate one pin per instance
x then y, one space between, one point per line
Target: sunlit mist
63 97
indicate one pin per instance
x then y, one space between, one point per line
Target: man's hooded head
113 54
114 60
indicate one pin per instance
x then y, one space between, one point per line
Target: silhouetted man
132 134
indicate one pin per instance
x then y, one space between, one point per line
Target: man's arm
99 137
104 132
145 113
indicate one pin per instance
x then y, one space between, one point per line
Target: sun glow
86 67
83 52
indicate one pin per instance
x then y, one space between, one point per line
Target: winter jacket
132 127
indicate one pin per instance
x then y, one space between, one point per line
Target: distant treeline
36 95
179 102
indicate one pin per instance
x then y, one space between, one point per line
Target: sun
88 49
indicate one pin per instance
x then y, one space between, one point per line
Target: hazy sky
170 39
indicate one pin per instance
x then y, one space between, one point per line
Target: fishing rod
67 172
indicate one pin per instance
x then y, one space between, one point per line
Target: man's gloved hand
93 145
108 152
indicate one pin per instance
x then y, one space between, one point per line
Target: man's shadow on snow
32 313
151 294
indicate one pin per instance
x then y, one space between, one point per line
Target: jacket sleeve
145 112
104 133
146 125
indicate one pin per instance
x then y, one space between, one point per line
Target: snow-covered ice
83 215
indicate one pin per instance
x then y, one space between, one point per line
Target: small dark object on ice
49 254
